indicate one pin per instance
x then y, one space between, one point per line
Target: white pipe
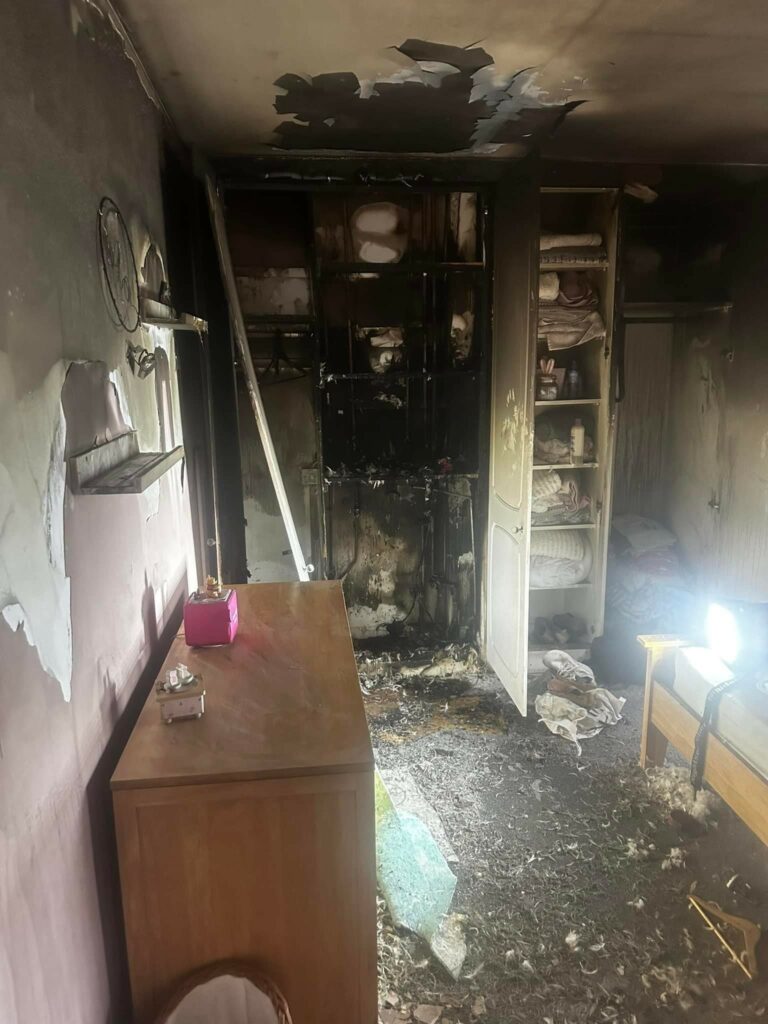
241 337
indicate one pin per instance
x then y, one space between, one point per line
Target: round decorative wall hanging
119 265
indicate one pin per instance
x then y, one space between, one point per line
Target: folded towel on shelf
585 255
549 286
562 327
588 239
556 501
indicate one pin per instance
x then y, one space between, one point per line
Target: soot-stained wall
692 446
89 585
717 458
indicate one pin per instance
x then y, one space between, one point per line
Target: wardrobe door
515 294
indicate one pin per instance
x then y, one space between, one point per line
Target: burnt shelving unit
412 414
383 441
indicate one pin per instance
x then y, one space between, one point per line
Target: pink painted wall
76 125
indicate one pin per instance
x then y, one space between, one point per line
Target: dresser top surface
282 700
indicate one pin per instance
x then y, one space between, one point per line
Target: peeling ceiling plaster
448 100
664 80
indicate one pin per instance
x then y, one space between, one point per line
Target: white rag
564 718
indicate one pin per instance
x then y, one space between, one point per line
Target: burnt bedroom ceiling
662 80
450 100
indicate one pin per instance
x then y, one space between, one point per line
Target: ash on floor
573 872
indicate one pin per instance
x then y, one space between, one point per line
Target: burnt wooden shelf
395 375
402 476
661 312
559 403
157 314
415 267
277 318
118 467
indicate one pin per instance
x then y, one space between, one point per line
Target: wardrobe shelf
566 465
597 265
574 526
571 586
563 402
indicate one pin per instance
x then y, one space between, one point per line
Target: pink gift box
209 621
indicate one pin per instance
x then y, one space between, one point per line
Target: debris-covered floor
573 871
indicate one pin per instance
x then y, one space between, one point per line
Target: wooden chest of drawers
249 833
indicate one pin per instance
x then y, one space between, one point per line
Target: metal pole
241 337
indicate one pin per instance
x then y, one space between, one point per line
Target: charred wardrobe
427 465
367 314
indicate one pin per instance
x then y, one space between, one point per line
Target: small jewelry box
210 616
180 695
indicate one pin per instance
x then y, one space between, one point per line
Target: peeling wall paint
94 582
34 588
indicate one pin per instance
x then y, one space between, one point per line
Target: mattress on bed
742 719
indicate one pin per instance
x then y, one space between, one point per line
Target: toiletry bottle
573 381
577 443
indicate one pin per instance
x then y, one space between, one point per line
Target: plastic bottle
573 381
577 443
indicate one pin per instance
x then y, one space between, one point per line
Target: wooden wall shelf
157 314
118 467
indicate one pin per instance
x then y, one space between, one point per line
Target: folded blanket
545 485
642 534
576 254
560 558
562 327
550 240
650 590
555 500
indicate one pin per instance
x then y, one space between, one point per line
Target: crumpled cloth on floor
564 718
